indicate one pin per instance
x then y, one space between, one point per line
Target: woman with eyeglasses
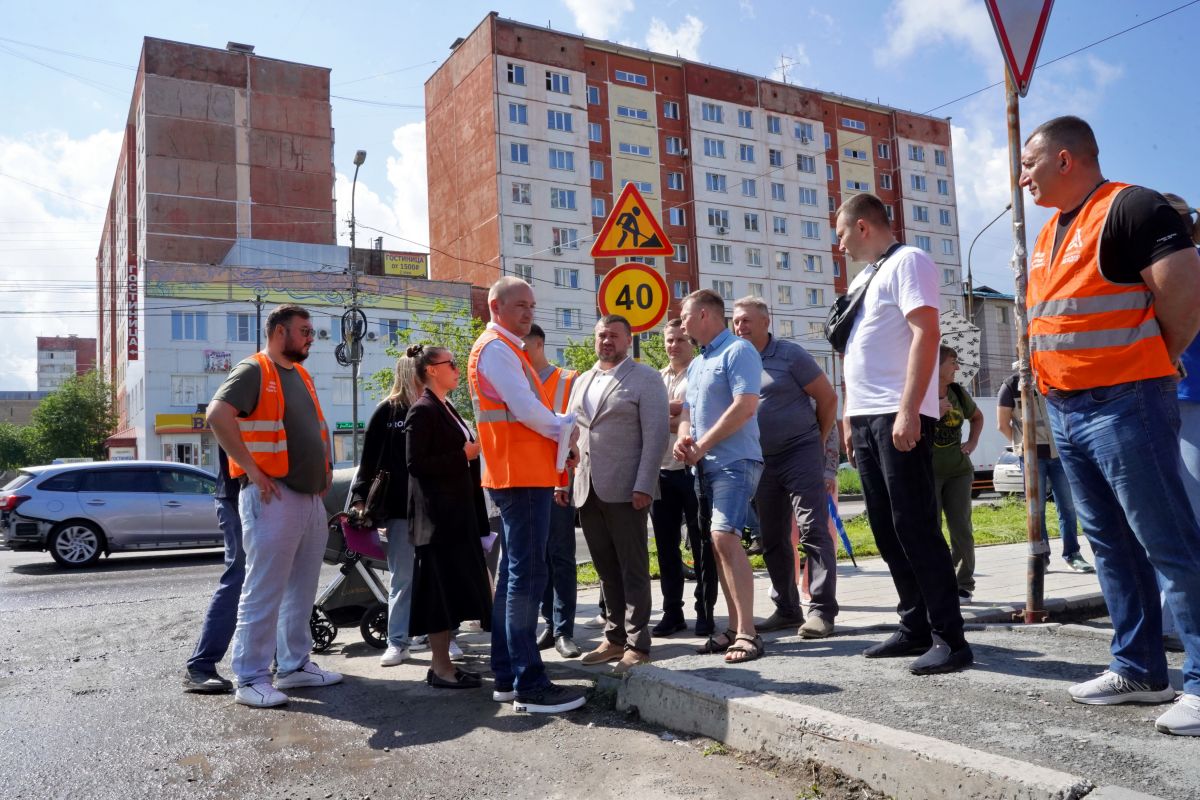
447 517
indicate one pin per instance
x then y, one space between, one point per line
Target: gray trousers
792 486
954 500
616 539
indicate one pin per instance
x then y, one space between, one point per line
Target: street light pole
355 348
970 274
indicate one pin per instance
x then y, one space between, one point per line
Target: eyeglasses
448 361
307 333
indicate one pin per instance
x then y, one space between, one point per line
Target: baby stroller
356 596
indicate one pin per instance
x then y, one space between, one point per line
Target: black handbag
375 506
844 310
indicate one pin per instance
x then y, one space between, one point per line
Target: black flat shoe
462 680
898 645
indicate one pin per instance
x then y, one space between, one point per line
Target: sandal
751 648
714 646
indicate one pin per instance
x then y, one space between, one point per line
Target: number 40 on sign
637 292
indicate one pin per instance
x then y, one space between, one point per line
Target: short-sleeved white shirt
877 352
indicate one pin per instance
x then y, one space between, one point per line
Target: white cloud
402 211
684 41
598 20
920 24
746 7
792 69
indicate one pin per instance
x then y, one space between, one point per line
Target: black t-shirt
1141 228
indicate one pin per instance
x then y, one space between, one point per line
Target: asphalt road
92 708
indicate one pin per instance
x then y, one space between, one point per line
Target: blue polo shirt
726 367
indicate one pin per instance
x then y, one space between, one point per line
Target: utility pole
355 353
258 304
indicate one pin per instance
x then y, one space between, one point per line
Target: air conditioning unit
805 140
322 333
372 336
556 250
685 152
722 229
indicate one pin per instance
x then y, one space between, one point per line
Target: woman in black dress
446 518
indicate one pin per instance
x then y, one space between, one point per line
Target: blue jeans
558 601
1120 448
221 619
520 581
400 557
1051 469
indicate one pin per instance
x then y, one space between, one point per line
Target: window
778 192
829 172
924 243
718 218
524 272
918 183
816 297
633 113
561 159
711 112
189 326
714 182
597 170
806 163
558 120
239 327
810 229
774 124
518 113
939 157
832 206
565 239
749 187
723 288
393 330
682 289
120 480
947 277
916 152
518 153
645 187
756 289
753 257
833 237
631 77
745 119
785 329
775 158
520 193
883 151
943 186
808 197
858 186
714 148
944 216
812 263
568 318
851 152
751 222
675 181
837 269
188 390
804 132
783 260
746 153
562 198
557 82
675 216
784 295
828 140
1001 314
680 256
920 213
670 109
634 149
598 209
947 247
516 74
885 181
674 145
566 278
779 225
593 93
720 254
522 233
595 132
854 124
888 209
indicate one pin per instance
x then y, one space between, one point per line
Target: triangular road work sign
1020 26
631 229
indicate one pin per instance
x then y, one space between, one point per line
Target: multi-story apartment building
61 357
533 132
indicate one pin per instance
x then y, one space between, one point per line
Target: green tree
14 447
74 420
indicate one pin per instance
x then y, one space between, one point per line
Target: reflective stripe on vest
1070 306
558 388
263 431
1088 340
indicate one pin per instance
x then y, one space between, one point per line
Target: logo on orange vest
1071 253
1039 260
271 386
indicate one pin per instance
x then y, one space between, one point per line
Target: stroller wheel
374 626
323 630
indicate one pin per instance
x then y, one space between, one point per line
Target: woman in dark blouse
447 518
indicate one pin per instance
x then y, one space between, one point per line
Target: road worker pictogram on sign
631 229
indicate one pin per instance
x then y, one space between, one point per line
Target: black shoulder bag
845 308
375 506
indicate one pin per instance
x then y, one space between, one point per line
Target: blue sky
63 116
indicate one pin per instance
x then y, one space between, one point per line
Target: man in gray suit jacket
622 414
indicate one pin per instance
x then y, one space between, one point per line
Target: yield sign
631 229
1020 26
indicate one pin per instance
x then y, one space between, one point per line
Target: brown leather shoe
630 660
607 651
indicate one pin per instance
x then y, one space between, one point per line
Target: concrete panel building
60 357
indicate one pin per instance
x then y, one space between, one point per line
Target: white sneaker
308 675
456 653
1183 718
1111 689
418 643
393 655
260 695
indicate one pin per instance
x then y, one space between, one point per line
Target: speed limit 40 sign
636 292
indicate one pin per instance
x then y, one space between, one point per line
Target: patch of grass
715 749
849 482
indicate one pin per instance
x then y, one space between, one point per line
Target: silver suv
78 511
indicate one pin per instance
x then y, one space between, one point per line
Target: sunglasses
448 361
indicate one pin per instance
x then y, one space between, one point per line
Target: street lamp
355 348
970 274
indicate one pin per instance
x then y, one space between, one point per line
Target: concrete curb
1053 605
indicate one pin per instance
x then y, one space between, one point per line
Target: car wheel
76 544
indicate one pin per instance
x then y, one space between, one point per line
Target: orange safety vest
262 430
557 388
513 455
1085 331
